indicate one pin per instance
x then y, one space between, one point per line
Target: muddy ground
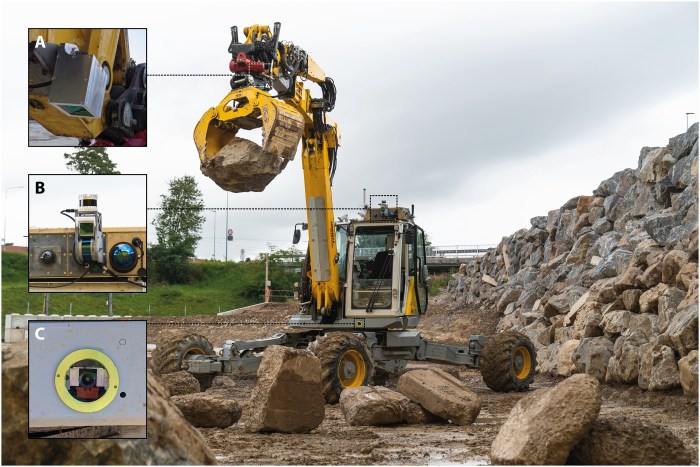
334 442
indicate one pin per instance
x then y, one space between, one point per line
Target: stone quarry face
171 439
242 166
683 329
658 369
631 250
208 410
565 364
623 366
592 356
544 426
626 441
288 396
441 394
688 369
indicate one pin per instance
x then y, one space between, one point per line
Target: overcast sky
482 115
62 192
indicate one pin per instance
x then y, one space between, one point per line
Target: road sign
229 232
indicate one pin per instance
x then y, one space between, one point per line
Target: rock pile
607 284
171 439
208 409
179 383
424 396
288 396
377 405
545 428
441 394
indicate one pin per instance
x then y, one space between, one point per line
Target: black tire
508 362
336 348
171 349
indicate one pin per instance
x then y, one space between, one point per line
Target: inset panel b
87 233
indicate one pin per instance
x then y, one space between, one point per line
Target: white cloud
483 115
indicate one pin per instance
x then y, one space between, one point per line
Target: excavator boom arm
261 64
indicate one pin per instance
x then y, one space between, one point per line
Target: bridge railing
457 251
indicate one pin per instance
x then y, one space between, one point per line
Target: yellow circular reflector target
110 391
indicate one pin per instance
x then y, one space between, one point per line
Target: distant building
15 249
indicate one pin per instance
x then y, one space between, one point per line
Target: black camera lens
88 379
47 257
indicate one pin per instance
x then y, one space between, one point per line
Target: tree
91 161
178 227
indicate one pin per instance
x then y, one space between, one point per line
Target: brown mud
334 442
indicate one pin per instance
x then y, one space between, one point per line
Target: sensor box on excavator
79 84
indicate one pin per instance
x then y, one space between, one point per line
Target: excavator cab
386 277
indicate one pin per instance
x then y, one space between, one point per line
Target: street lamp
4 229
686 119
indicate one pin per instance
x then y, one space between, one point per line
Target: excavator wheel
508 362
346 362
171 350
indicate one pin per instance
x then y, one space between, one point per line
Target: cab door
416 282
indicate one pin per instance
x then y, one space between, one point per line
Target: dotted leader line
217 323
228 75
253 209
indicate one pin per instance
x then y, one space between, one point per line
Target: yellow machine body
284 122
53 277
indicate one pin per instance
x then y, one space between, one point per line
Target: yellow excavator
84 84
364 284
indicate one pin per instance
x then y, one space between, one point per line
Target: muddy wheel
346 362
171 352
508 362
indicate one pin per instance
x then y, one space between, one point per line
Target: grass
439 282
216 287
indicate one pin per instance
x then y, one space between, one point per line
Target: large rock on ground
658 370
592 355
171 439
288 396
221 382
544 426
688 368
417 415
441 394
208 409
627 441
373 405
242 166
179 383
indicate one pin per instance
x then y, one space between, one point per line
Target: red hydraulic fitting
243 63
